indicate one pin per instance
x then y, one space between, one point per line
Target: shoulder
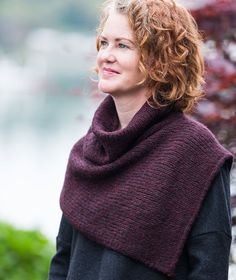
193 129
198 136
192 141
185 127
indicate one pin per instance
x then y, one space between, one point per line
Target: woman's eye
123 46
103 43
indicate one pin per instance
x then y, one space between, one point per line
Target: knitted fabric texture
138 190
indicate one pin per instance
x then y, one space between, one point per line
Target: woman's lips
110 71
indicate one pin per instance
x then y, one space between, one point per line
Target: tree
218 110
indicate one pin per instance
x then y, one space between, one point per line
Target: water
33 161
46 104
34 154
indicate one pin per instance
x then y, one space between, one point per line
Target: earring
94 76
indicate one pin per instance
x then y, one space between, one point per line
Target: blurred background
47 100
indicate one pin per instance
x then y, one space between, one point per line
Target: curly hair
170 49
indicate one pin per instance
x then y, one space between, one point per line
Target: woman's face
118 57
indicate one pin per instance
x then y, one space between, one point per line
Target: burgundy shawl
138 190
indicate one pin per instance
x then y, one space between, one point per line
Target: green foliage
24 255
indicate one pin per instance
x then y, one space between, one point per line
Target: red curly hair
170 49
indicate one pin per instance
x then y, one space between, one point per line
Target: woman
146 192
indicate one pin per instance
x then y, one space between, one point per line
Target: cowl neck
105 142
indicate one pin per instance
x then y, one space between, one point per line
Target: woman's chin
106 89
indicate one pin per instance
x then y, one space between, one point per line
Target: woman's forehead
117 25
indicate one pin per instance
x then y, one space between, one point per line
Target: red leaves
218 110
218 19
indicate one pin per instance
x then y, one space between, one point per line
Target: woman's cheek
98 59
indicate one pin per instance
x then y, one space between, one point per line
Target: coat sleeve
208 246
60 262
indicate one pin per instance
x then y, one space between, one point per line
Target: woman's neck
127 107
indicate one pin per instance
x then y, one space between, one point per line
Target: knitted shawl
138 190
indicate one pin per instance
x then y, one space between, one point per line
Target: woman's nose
108 55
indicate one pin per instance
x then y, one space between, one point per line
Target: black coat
205 255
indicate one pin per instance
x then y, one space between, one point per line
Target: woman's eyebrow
117 39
